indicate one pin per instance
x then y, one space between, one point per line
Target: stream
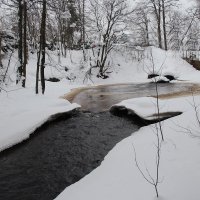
101 98
61 153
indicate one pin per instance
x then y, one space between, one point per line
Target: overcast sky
185 3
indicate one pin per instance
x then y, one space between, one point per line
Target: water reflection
101 98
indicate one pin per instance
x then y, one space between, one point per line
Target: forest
102 26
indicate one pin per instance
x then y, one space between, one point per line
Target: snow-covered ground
118 177
126 65
21 112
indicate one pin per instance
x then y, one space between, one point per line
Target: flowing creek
61 153
101 98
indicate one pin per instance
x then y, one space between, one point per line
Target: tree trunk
20 41
164 24
157 12
43 45
159 26
25 45
83 30
37 73
147 32
159 36
41 52
1 65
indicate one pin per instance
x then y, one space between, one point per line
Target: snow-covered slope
126 66
170 62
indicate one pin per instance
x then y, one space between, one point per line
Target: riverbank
22 112
118 176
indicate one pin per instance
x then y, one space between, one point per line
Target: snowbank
22 112
169 63
146 107
153 60
118 177
125 66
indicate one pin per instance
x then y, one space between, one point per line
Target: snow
169 63
145 107
126 69
118 177
127 65
22 112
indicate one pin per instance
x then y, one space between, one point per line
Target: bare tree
167 6
20 6
141 22
161 9
164 23
42 50
1 65
83 29
176 27
157 10
1 27
25 50
20 41
152 180
107 21
191 19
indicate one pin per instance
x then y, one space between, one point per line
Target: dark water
101 98
60 154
